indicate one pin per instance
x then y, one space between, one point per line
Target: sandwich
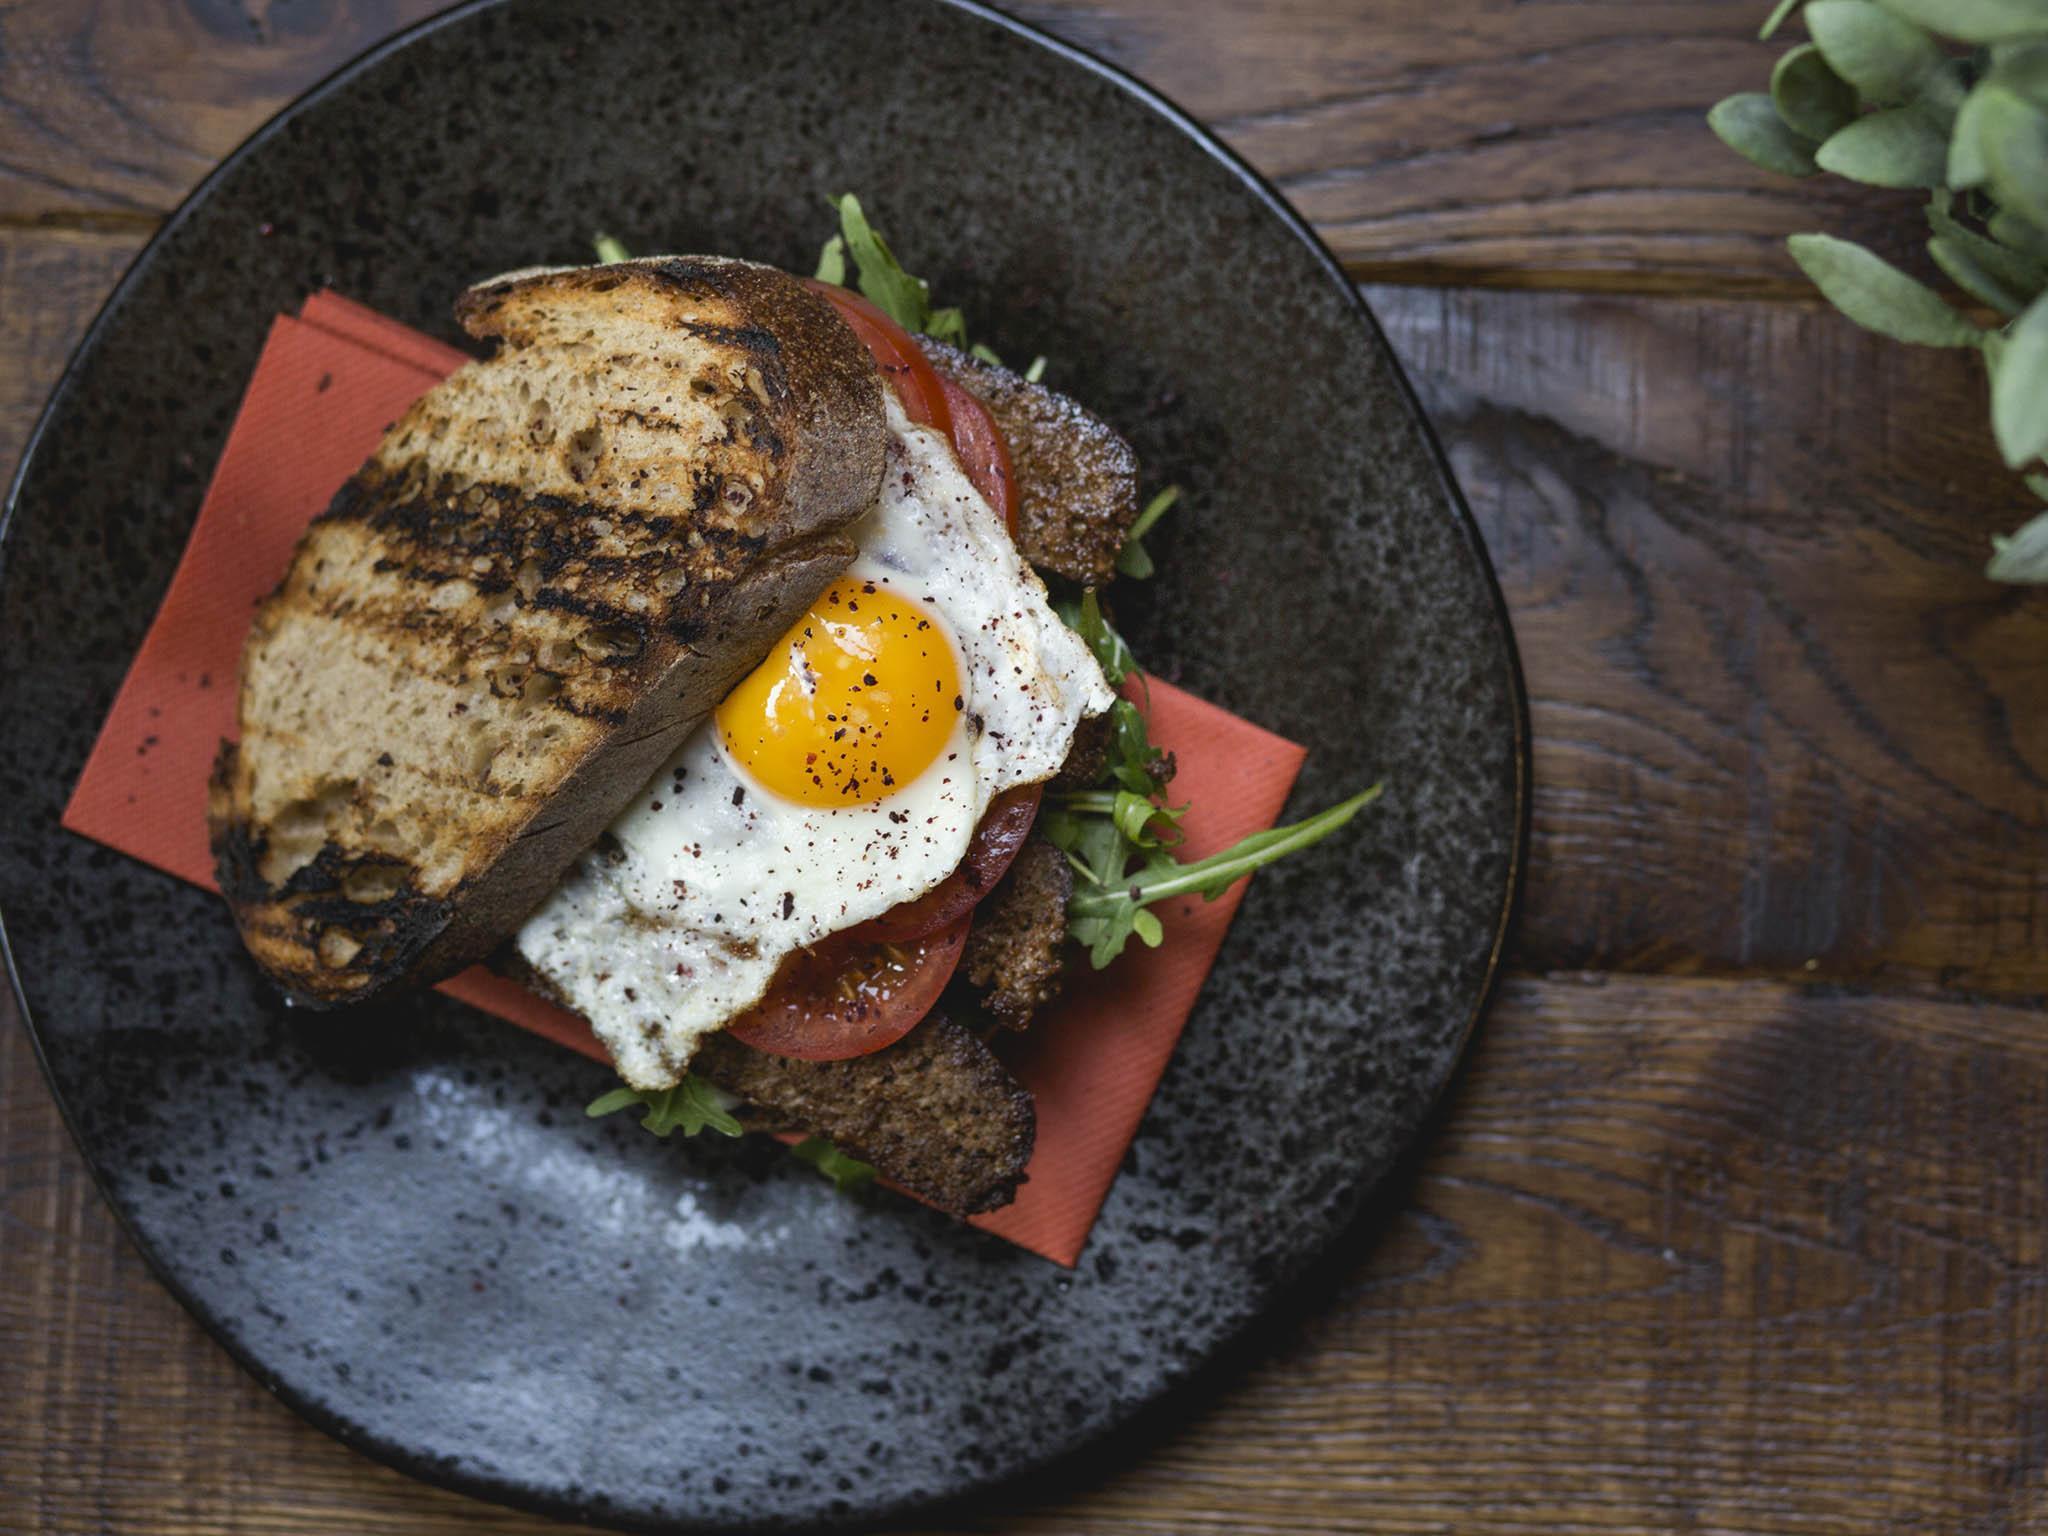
725 657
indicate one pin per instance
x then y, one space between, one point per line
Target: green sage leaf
1966 167
2038 484
2011 272
1971 21
2012 135
1898 147
2016 234
2019 388
1778 18
2022 68
609 249
1963 270
2024 556
1886 58
1813 100
1942 93
1749 124
1878 296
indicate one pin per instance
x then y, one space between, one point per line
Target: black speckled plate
404 1226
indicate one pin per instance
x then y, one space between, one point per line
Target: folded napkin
329 381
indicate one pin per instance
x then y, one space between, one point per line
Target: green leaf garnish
1133 559
903 298
847 1174
906 299
832 262
693 1105
950 326
610 249
1103 915
1117 836
1083 615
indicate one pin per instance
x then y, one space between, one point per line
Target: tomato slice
931 400
983 454
896 353
851 996
1003 829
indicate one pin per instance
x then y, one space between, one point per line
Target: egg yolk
856 701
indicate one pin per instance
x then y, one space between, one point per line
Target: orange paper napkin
328 382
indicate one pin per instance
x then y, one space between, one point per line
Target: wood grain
1464 141
1783 725
52 281
1682 1255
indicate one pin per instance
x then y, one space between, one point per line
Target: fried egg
845 775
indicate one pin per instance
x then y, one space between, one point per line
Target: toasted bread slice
936 1112
1077 480
547 575
1017 949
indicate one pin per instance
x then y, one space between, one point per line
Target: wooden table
1735 1220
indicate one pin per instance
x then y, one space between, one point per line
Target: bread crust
546 577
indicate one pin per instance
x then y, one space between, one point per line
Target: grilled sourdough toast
550 571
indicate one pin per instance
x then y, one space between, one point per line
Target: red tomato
896 353
983 453
850 997
996 841
931 400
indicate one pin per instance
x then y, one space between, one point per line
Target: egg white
674 925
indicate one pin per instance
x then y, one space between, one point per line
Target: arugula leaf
693 1105
950 326
1084 617
1119 822
610 249
847 1174
1104 914
832 262
1133 560
903 298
